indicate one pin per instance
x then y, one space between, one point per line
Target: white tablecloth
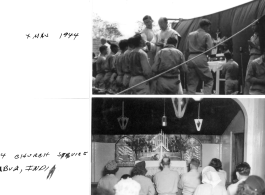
152 167
215 65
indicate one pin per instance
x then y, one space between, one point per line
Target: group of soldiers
120 68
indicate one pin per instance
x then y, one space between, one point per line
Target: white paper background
44 91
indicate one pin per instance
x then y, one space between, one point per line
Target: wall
236 126
254 111
101 154
104 152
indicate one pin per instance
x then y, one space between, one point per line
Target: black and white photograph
177 146
178 47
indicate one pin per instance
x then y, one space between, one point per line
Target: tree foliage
105 29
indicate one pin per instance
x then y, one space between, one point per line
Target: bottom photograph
166 146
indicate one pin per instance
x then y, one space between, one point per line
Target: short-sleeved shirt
199 41
232 189
167 58
189 182
108 182
256 69
147 187
230 70
166 181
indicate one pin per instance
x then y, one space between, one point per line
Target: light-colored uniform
189 182
140 71
254 54
166 182
126 69
147 187
256 69
165 59
99 82
198 42
232 189
163 36
148 35
119 61
108 182
108 70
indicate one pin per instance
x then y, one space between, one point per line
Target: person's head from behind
253 185
103 50
125 176
139 169
194 163
242 170
130 42
172 41
103 40
148 22
228 56
216 163
127 187
123 44
111 168
114 48
165 162
137 41
205 24
163 24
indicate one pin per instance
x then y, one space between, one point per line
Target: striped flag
125 153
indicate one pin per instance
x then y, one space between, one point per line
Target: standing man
254 51
198 69
230 71
165 33
189 181
242 173
166 58
149 37
256 76
166 181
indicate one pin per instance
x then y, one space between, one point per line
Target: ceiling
145 116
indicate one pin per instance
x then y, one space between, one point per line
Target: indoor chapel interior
131 130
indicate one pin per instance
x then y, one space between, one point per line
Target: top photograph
178 47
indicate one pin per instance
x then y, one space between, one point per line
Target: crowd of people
211 180
148 54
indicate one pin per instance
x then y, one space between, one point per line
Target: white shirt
208 189
232 189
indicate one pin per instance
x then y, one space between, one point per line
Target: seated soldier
100 67
230 71
109 65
